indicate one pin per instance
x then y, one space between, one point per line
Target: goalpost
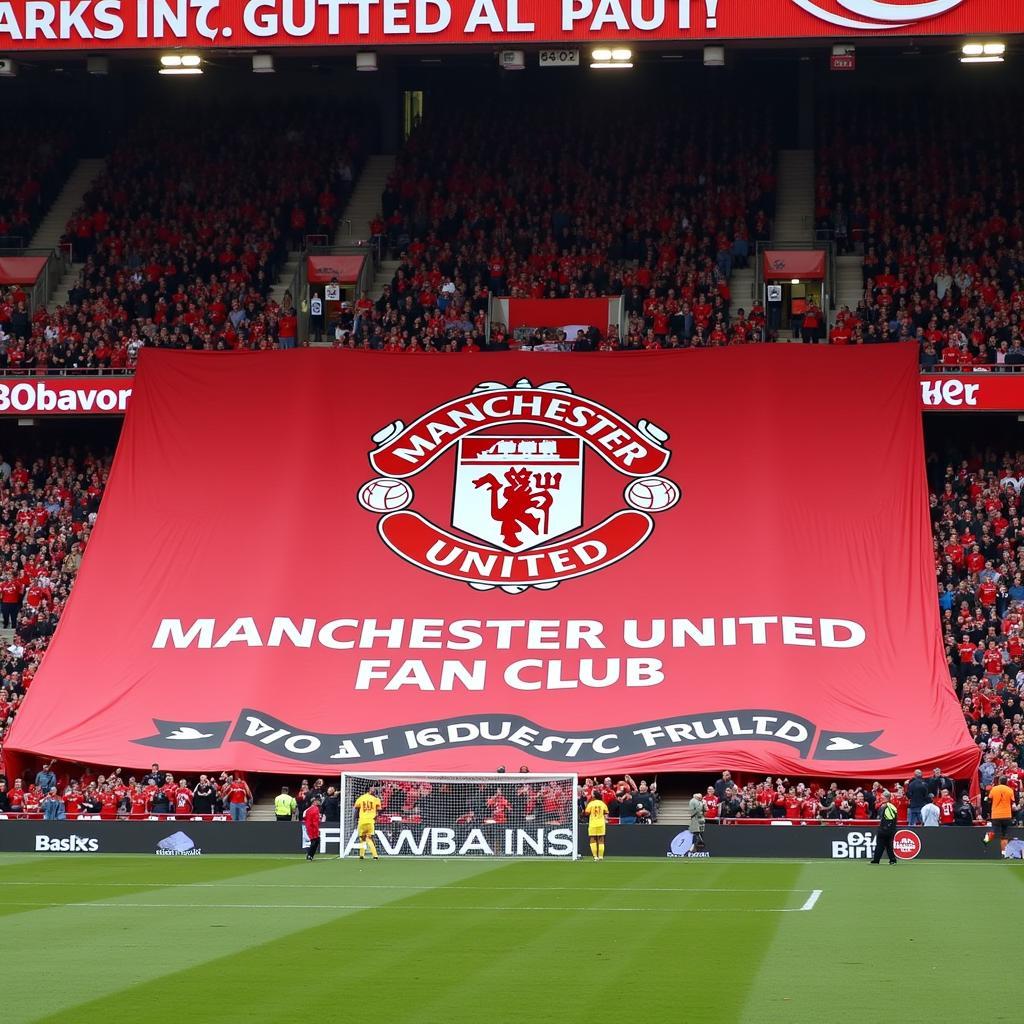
465 815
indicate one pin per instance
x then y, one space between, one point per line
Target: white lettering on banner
41 396
949 392
229 22
525 674
503 634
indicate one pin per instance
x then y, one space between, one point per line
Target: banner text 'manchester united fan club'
133 24
717 559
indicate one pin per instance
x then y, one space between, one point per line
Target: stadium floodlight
714 56
465 815
181 64
603 58
982 53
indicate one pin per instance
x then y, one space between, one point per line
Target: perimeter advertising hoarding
839 842
99 25
110 396
332 564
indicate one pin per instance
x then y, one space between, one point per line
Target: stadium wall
826 842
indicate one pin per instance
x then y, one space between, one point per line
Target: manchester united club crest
518 497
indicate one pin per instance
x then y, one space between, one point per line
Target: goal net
441 815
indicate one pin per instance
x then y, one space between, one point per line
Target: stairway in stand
52 229
794 208
849 288
361 210
741 290
364 203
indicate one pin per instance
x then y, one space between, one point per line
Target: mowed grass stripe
46 877
428 965
888 935
98 951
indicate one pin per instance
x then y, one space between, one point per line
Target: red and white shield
516 492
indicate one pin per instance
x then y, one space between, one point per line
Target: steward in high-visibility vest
285 805
887 815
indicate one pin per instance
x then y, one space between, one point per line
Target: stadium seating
183 240
619 200
47 509
34 161
936 211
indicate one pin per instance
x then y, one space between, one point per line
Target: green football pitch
147 940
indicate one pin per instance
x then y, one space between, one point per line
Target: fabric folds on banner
668 561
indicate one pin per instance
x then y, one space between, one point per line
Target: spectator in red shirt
311 823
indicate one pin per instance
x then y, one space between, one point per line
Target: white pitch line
425 907
455 887
811 900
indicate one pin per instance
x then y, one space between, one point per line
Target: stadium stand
936 212
184 255
573 214
34 161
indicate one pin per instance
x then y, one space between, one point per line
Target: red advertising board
324 269
972 392
99 25
784 264
569 560
105 396
21 269
63 396
559 313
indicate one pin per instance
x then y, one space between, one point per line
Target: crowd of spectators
629 803
938 213
117 795
930 801
183 253
47 510
562 209
979 564
34 161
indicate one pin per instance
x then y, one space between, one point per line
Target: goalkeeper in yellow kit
367 805
597 812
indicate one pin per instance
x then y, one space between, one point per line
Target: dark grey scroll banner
613 743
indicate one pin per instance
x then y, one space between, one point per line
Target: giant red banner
98 25
322 559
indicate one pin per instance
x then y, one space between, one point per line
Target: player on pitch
597 812
367 805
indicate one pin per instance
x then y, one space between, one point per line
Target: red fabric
840 532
